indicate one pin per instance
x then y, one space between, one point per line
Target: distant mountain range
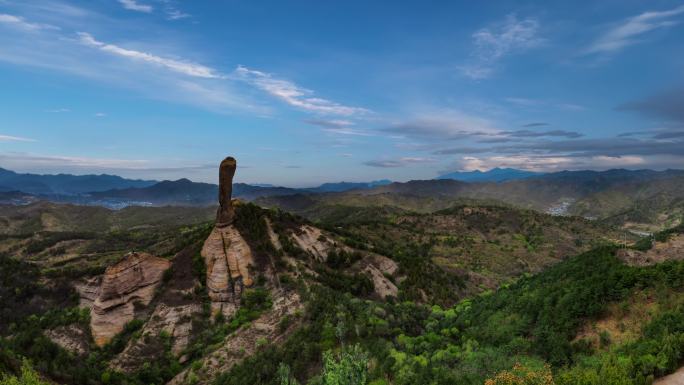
117 192
622 196
646 197
493 175
346 186
65 184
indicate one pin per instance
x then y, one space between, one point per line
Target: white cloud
58 110
133 5
179 66
20 22
175 14
547 163
9 138
198 85
100 115
494 43
513 35
476 72
338 126
295 95
628 32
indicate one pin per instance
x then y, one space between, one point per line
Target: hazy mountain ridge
114 191
65 183
595 194
494 175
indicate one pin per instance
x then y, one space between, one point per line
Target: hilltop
642 199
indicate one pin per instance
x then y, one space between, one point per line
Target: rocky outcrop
676 378
175 321
88 291
129 283
672 249
71 338
226 254
228 259
312 240
379 268
246 341
225 213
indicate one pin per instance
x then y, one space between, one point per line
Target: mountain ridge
493 175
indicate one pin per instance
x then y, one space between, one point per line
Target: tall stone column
225 213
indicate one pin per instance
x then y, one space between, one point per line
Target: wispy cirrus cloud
10 138
134 5
176 14
21 23
494 43
632 30
198 84
180 66
295 95
338 126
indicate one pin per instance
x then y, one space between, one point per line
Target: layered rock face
227 257
310 239
226 254
129 283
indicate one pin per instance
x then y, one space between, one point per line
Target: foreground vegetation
588 319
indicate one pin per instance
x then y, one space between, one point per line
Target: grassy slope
655 202
488 243
44 216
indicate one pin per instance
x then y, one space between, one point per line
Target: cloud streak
21 23
179 66
133 5
630 31
295 95
9 138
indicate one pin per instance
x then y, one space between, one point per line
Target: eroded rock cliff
228 259
126 285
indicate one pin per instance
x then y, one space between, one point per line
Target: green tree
28 377
285 376
350 368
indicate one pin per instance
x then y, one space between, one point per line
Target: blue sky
304 92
